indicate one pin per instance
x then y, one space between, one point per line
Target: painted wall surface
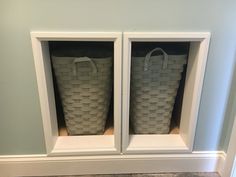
230 114
21 130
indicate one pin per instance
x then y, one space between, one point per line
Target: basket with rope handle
85 86
154 84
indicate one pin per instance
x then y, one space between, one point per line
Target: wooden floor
153 175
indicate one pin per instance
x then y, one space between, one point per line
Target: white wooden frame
74 145
169 143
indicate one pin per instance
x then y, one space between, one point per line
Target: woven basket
85 86
154 85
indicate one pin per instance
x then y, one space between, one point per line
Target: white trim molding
169 143
41 165
76 145
233 173
111 144
230 161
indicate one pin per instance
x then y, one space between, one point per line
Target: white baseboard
40 165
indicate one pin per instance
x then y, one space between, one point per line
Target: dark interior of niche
140 49
91 49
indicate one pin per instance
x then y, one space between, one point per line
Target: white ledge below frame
148 143
90 145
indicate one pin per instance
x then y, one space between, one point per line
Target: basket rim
69 57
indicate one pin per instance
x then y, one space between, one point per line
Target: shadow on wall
230 111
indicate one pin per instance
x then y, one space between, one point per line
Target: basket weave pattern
153 93
86 96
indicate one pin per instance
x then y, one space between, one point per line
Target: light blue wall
21 129
230 114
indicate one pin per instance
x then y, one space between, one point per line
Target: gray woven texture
153 93
86 96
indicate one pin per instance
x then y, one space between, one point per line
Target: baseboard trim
41 165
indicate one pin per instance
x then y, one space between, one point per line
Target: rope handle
83 59
149 54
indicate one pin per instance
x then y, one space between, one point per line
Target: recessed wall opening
83 101
79 83
154 110
84 52
162 82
